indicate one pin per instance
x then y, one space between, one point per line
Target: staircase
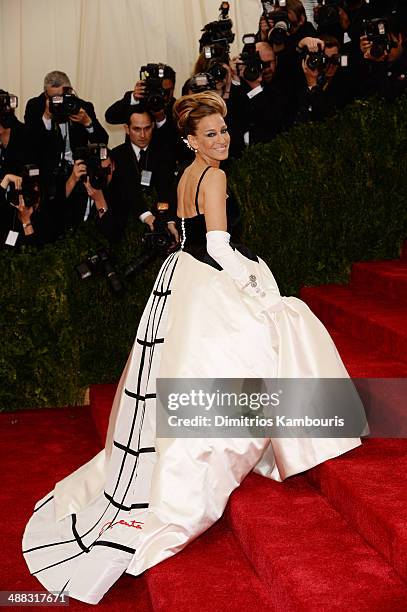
331 539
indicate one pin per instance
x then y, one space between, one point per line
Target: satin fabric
157 502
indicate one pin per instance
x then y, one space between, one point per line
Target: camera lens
251 73
218 71
377 50
155 102
72 105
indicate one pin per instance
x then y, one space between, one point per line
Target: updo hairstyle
189 110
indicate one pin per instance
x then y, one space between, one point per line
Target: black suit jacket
119 111
385 79
49 144
47 222
160 161
324 100
18 152
263 115
112 224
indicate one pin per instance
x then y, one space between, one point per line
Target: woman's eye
211 134
224 130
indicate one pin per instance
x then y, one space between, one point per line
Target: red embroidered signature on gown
110 525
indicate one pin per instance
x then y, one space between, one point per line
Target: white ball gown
142 499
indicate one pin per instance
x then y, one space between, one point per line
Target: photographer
288 26
214 51
384 68
144 166
332 19
15 148
285 25
95 193
59 122
26 216
218 69
327 86
157 79
261 103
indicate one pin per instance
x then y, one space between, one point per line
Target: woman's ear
192 141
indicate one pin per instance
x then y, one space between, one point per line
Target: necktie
142 159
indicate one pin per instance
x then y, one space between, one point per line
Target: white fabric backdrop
101 44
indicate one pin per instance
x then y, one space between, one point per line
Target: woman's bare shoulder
215 176
216 171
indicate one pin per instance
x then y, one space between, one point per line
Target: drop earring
185 141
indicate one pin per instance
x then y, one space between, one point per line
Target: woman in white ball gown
215 310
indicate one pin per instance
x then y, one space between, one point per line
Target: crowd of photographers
57 172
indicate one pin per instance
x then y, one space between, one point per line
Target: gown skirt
142 499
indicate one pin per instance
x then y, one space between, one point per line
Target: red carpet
306 552
368 488
212 574
332 539
379 322
389 279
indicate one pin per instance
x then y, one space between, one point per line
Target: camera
100 263
328 13
30 187
317 60
155 243
217 54
203 81
250 58
378 33
92 156
8 104
155 96
218 30
281 28
64 105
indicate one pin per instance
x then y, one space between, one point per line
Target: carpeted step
101 399
385 278
39 448
362 362
306 552
388 416
377 322
368 487
210 575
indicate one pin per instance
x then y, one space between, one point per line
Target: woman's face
212 138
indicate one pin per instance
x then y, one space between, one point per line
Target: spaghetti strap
197 189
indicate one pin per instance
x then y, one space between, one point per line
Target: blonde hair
189 110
